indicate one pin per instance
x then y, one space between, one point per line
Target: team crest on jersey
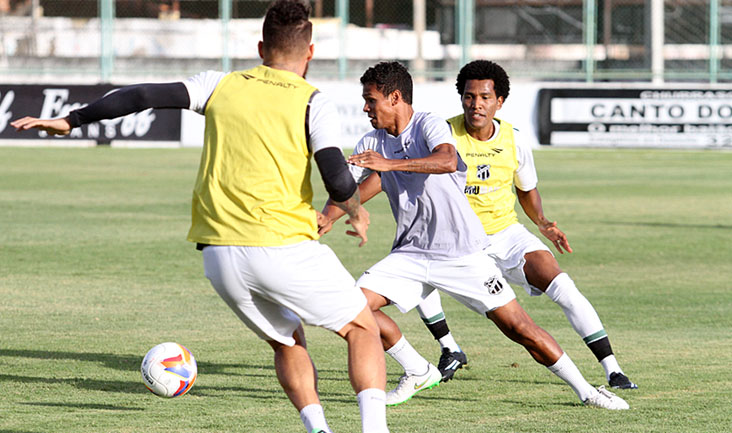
483 172
494 286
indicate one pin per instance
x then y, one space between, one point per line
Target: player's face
480 104
378 106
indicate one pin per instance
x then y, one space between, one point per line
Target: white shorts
406 280
272 288
508 248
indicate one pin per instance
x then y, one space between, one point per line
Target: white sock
431 306
580 313
610 364
410 360
372 403
449 342
313 417
568 372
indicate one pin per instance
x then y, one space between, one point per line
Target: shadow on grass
132 363
81 383
135 387
544 406
86 406
127 362
17 431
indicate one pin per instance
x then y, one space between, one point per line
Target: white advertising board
636 117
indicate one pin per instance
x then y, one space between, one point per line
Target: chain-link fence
105 40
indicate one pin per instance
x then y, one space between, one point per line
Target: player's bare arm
358 216
332 212
531 204
343 192
442 160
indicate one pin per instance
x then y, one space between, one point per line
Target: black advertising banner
50 101
681 118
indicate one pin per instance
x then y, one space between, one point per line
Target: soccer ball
169 370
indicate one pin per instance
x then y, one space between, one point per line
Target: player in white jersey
439 241
252 213
498 159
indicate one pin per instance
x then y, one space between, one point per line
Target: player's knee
518 326
364 322
375 301
562 290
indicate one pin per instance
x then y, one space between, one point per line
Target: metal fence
583 40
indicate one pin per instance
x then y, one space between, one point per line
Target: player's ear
499 102
260 48
395 97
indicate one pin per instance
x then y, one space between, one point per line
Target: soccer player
252 215
439 241
498 159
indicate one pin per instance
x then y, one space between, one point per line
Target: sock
410 360
568 372
580 313
610 364
314 419
449 342
372 403
430 310
599 344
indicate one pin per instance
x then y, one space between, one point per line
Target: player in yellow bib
252 213
499 160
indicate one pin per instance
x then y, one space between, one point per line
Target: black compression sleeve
131 99
334 170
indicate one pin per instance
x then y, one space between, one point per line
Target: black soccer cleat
621 381
450 362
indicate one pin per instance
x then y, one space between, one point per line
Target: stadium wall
556 114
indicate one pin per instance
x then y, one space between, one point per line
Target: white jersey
433 217
324 122
524 178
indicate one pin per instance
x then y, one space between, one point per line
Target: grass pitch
95 270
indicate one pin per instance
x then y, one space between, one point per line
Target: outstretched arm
531 203
443 159
343 193
332 212
129 99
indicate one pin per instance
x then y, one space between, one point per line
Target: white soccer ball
169 370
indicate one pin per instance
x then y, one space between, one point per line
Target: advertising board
681 118
50 101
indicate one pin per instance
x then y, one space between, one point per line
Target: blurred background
570 40
619 73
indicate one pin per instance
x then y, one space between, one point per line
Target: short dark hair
286 27
484 70
388 77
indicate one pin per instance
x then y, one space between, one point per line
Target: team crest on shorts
494 286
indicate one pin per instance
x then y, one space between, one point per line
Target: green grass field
95 270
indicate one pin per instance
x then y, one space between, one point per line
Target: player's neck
482 134
296 66
402 118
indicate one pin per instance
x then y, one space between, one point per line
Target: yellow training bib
253 186
491 166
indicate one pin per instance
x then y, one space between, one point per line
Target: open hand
51 126
556 236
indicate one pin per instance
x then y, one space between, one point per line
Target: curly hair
484 70
388 77
286 26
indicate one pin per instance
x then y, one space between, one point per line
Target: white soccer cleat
412 384
606 400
